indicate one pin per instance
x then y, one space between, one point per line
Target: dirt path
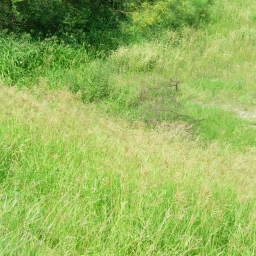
243 113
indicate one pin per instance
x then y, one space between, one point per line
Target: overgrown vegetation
101 25
101 153
78 182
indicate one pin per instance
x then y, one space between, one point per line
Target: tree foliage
97 22
52 16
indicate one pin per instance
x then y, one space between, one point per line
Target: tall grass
133 81
23 61
74 182
77 181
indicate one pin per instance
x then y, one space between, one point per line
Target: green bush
79 21
101 24
170 14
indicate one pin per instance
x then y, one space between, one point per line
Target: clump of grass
92 81
23 60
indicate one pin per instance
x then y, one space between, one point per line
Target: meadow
100 156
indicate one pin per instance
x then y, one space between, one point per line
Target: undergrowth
133 82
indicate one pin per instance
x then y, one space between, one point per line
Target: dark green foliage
81 21
7 18
101 24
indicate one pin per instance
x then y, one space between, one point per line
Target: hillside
122 164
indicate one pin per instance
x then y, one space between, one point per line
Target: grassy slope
216 66
75 182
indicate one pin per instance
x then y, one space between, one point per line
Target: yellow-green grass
215 64
75 182
216 68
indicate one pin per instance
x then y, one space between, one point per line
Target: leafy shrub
79 21
103 24
169 14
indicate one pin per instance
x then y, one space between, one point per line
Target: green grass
92 185
98 156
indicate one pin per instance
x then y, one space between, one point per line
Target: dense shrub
169 14
99 22
79 21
